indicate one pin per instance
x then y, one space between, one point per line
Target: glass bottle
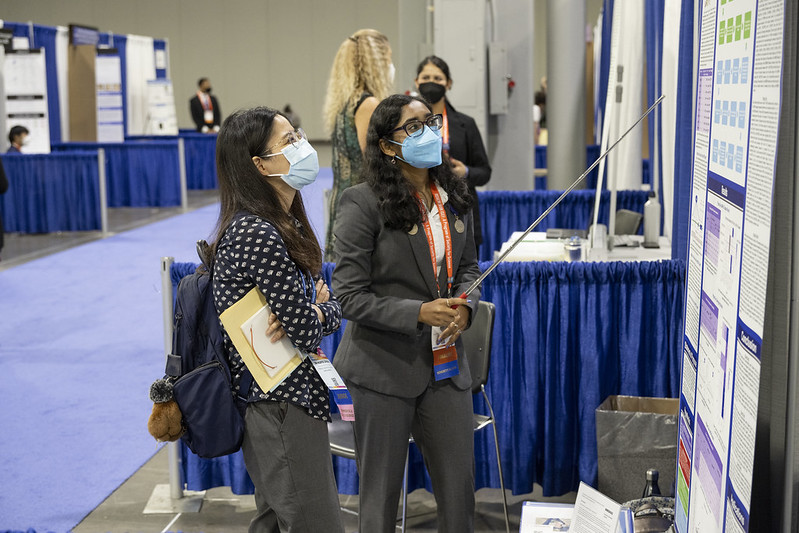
651 488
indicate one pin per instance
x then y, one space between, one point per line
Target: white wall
255 52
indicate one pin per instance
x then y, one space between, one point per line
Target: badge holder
445 357
334 383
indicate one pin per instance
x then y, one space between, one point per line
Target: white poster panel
736 125
161 116
108 75
26 97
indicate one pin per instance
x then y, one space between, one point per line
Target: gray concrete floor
223 511
128 508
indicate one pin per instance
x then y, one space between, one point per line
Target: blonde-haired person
362 75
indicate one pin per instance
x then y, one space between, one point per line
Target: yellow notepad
246 322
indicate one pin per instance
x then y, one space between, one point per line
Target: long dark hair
244 135
395 194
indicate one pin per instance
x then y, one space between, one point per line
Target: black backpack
212 412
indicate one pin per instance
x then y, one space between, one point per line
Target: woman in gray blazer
404 251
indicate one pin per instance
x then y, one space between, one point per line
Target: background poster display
108 75
735 143
161 117
26 97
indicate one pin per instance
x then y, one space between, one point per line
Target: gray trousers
287 454
441 421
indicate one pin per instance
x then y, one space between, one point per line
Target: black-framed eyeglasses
414 128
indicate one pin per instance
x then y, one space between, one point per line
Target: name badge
333 380
445 358
208 116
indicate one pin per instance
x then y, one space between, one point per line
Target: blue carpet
81 339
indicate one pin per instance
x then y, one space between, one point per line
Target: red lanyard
428 230
445 131
205 101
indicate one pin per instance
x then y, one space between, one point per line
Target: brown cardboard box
633 435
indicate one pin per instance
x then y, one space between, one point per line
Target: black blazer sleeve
196 109
466 145
3 179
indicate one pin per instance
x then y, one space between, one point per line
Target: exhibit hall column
565 92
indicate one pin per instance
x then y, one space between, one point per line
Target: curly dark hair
395 194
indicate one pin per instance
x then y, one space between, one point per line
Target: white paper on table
594 512
273 355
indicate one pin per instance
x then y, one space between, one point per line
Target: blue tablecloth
566 336
51 192
200 156
138 173
503 212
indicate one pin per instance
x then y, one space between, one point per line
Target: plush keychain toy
166 420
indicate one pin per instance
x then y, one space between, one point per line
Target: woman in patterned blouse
264 240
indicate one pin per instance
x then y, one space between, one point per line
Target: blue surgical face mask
421 151
304 164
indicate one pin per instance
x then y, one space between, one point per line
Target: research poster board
161 116
25 78
735 142
108 75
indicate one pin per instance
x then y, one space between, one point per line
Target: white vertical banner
625 89
736 125
26 97
61 62
140 68
108 76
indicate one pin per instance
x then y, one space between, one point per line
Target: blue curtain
51 192
683 147
604 66
503 212
592 153
138 174
567 335
200 156
120 42
653 34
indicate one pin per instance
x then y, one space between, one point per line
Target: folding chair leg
499 462
405 491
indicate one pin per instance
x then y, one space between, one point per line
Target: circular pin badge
459 226
413 230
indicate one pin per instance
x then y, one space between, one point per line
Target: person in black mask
204 108
463 145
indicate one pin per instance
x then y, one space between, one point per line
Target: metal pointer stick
479 280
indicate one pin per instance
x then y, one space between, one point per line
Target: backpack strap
246 376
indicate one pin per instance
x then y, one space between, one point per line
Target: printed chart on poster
108 76
26 97
161 117
735 143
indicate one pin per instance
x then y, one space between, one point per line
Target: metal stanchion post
171 498
103 190
184 193
175 482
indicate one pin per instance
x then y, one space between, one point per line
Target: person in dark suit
405 250
463 145
3 189
204 108
17 136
